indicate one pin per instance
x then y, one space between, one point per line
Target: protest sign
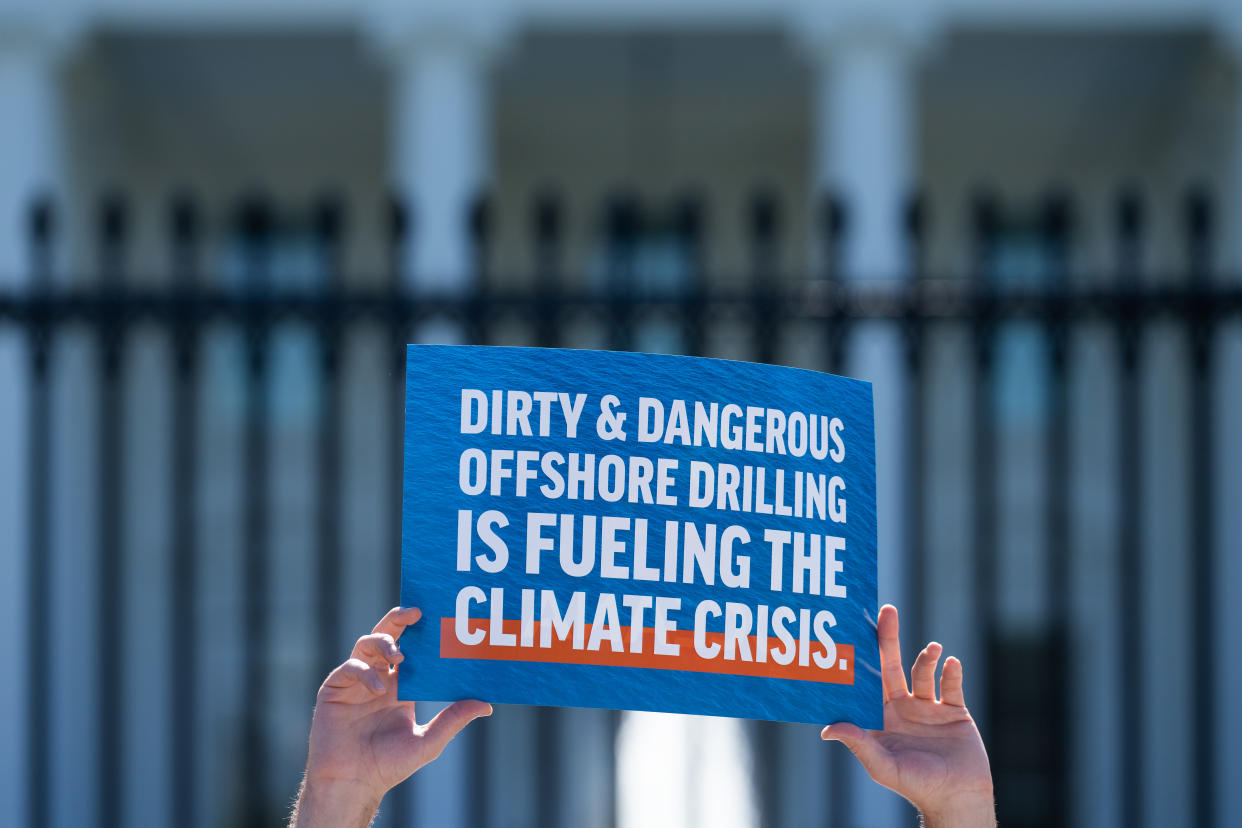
638 531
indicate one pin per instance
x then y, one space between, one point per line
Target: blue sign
618 530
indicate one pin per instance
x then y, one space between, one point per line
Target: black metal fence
1029 713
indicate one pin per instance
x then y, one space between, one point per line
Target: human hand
362 740
930 751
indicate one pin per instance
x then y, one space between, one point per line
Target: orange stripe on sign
563 652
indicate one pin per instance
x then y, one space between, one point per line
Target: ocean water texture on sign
435 377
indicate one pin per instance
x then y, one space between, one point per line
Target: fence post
1059 643
623 223
690 232
1202 507
480 222
329 221
1130 487
549 279
397 316
111 594
255 222
985 222
764 231
183 584
915 333
37 544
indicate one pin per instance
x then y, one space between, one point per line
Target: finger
951 683
378 650
354 673
891 671
923 673
864 745
396 620
449 722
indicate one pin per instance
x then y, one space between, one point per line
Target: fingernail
376 683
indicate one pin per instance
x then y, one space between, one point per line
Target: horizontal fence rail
951 300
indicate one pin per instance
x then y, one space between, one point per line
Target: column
440 164
438 157
30 166
863 150
440 147
864 145
30 145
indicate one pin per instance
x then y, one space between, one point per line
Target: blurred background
221 221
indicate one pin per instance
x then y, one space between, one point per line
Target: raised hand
362 740
929 751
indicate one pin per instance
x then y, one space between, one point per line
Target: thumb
449 722
862 744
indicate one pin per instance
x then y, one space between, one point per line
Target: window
1022 255
287 254
644 251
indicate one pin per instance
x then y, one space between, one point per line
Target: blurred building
609 121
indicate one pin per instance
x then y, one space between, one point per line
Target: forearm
977 811
325 803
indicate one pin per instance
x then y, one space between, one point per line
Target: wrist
976 809
335 802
